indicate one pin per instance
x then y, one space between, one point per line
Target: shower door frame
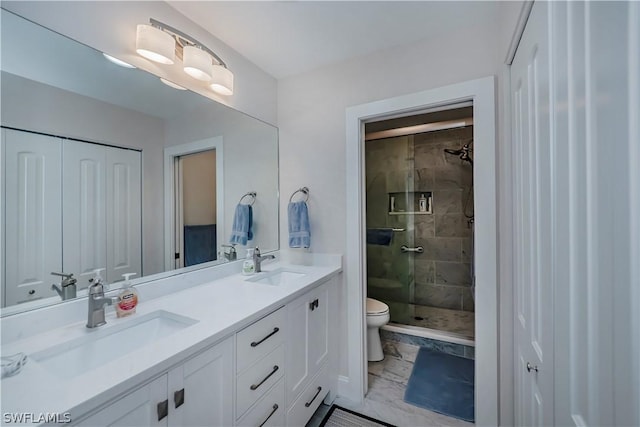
482 93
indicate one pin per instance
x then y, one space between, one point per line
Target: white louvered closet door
33 217
84 210
530 94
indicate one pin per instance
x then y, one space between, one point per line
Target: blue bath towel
379 236
299 230
199 244
242 229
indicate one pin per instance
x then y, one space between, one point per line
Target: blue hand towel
379 236
242 231
299 230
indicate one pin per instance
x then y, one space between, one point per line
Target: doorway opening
481 96
194 199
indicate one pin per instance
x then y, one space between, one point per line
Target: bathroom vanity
208 347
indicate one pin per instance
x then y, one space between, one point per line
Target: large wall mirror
108 167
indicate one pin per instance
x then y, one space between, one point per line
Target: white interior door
33 215
530 86
84 210
124 213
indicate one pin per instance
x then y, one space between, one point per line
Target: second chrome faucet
97 302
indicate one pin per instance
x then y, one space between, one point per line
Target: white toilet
377 315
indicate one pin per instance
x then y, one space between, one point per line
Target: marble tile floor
384 399
442 319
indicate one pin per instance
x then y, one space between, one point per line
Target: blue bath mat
442 383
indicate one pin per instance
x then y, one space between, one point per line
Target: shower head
463 152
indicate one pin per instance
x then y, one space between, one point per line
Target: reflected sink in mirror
277 277
84 354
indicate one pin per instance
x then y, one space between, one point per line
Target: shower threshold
456 323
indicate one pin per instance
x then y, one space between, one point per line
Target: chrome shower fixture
463 152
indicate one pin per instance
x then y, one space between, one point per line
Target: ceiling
292 37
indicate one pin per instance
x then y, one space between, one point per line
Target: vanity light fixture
161 43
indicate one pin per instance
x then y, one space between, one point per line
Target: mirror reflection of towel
379 236
242 231
299 229
199 244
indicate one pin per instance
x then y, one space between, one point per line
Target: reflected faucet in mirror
68 288
232 255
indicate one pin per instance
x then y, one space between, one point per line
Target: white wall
110 26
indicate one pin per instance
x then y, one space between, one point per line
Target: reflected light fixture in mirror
172 84
118 61
160 43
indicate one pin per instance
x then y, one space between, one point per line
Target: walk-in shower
419 189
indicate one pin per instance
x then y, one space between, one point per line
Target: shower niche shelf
409 203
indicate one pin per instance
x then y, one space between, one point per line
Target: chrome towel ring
303 190
251 194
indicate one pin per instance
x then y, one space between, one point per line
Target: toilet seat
376 308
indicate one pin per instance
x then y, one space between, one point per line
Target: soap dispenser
249 265
128 297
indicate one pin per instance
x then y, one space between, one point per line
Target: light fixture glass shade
172 84
197 63
155 44
221 80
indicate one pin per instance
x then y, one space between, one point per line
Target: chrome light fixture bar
161 43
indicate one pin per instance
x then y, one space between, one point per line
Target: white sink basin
105 345
277 277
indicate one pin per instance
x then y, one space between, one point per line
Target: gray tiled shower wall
415 164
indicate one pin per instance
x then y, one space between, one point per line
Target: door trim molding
482 93
170 153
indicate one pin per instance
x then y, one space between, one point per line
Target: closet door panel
33 220
84 209
124 213
533 235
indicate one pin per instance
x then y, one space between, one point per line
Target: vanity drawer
259 339
258 379
302 409
269 411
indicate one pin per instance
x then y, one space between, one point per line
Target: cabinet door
124 215
143 407
308 342
201 390
33 219
319 328
297 356
84 209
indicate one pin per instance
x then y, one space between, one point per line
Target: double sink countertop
177 317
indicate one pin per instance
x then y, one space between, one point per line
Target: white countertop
220 307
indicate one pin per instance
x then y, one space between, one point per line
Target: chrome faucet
97 301
257 259
67 289
232 255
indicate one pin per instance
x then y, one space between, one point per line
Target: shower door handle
405 248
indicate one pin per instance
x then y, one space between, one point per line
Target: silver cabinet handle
255 386
405 248
255 344
314 397
275 408
530 367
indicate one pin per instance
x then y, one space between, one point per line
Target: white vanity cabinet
309 320
199 392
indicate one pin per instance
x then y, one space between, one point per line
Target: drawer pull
255 344
313 304
314 397
178 398
163 409
255 386
275 408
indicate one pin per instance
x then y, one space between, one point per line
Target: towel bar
304 190
251 194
